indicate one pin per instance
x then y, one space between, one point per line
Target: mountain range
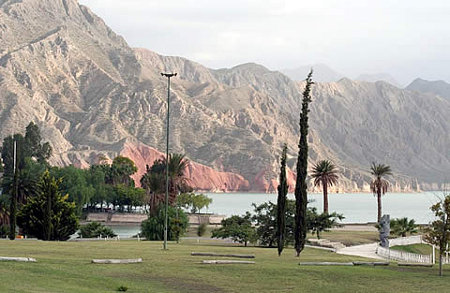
92 94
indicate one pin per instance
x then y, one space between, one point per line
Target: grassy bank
66 267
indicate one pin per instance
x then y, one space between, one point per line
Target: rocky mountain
322 73
386 77
92 94
437 87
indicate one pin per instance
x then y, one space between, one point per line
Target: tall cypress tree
281 203
301 194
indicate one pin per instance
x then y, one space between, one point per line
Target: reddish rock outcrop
200 177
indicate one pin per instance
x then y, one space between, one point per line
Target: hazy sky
405 38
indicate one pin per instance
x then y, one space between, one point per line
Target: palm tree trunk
379 203
325 197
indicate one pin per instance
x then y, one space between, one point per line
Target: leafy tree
238 228
325 174
403 226
265 219
121 170
4 211
281 203
48 215
94 230
154 181
194 202
301 193
201 229
439 231
379 185
318 223
74 183
153 227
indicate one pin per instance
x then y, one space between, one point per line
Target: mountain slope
322 73
92 94
437 87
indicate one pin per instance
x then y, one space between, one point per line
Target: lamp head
169 75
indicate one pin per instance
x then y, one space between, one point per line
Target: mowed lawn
66 267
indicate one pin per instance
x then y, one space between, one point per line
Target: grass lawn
66 267
415 248
348 238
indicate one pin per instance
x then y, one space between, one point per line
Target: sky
404 38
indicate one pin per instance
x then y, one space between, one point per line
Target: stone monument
385 229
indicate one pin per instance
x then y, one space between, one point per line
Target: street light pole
166 216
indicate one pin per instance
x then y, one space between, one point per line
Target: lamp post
166 216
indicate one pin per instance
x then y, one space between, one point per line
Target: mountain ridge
92 94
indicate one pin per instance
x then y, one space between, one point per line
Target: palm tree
154 180
379 185
402 226
325 174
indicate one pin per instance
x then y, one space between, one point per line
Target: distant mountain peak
436 87
374 77
322 73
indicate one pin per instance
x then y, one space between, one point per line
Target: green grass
66 267
414 248
348 238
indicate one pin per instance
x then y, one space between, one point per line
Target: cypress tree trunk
13 207
301 195
281 203
325 197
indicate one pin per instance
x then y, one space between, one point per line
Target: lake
356 207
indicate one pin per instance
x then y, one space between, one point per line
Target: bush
153 227
201 230
238 228
4 230
94 230
122 289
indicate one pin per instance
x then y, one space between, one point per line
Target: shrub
201 230
122 289
94 230
153 227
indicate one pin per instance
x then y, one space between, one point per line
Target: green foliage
238 228
403 226
94 230
154 180
4 231
379 185
122 289
439 231
318 223
301 194
265 218
194 202
201 229
281 203
48 215
153 227
127 196
325 174
74 183
121 170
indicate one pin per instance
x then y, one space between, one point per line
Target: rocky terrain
437 87
92 94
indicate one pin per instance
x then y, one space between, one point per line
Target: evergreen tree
48 215
281 203
301 194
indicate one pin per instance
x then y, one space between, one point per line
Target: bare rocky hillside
92 94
